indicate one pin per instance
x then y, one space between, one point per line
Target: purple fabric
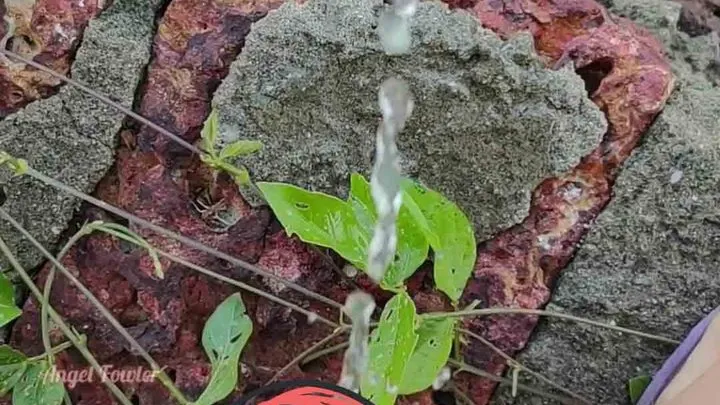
675 362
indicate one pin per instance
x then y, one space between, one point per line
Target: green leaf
435 340
391 346
239 174
8 309
636 387
450 235
412 247
224 337
12 367
240 148
360 200
18 166
209 133
38 386
319 219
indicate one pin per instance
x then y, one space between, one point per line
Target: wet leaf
209 133
225 334
391 346
636 387
38 386
450 235
412 247
240 148
239 173
435 340
8 309
12 367
319 219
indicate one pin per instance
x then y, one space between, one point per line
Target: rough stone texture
47 31
71 136
652 260
306 86
690 52
699 17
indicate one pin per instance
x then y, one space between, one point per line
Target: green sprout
221 160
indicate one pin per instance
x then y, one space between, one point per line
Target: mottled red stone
47 31
194 46
630 80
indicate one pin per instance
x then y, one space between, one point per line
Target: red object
311 396
303 392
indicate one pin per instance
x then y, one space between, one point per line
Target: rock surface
306 86
71 136
47 31
700 17
652 260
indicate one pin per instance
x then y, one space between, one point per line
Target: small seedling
17 165
221 160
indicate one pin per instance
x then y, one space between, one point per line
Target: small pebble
676 176
312 317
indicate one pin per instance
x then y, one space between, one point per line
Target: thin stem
506 381
45 304
76 341
455 363
516 364
462 395
329 261
521 311
159 372
325 352
305 353
105 100
246 287
53 350
180 238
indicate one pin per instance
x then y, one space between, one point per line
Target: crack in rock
47 31
66 136
651 260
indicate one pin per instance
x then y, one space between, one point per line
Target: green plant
32 380
220 160
391 346
406 352
225 334
636 387
430 355
17 165
8 309
425 219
